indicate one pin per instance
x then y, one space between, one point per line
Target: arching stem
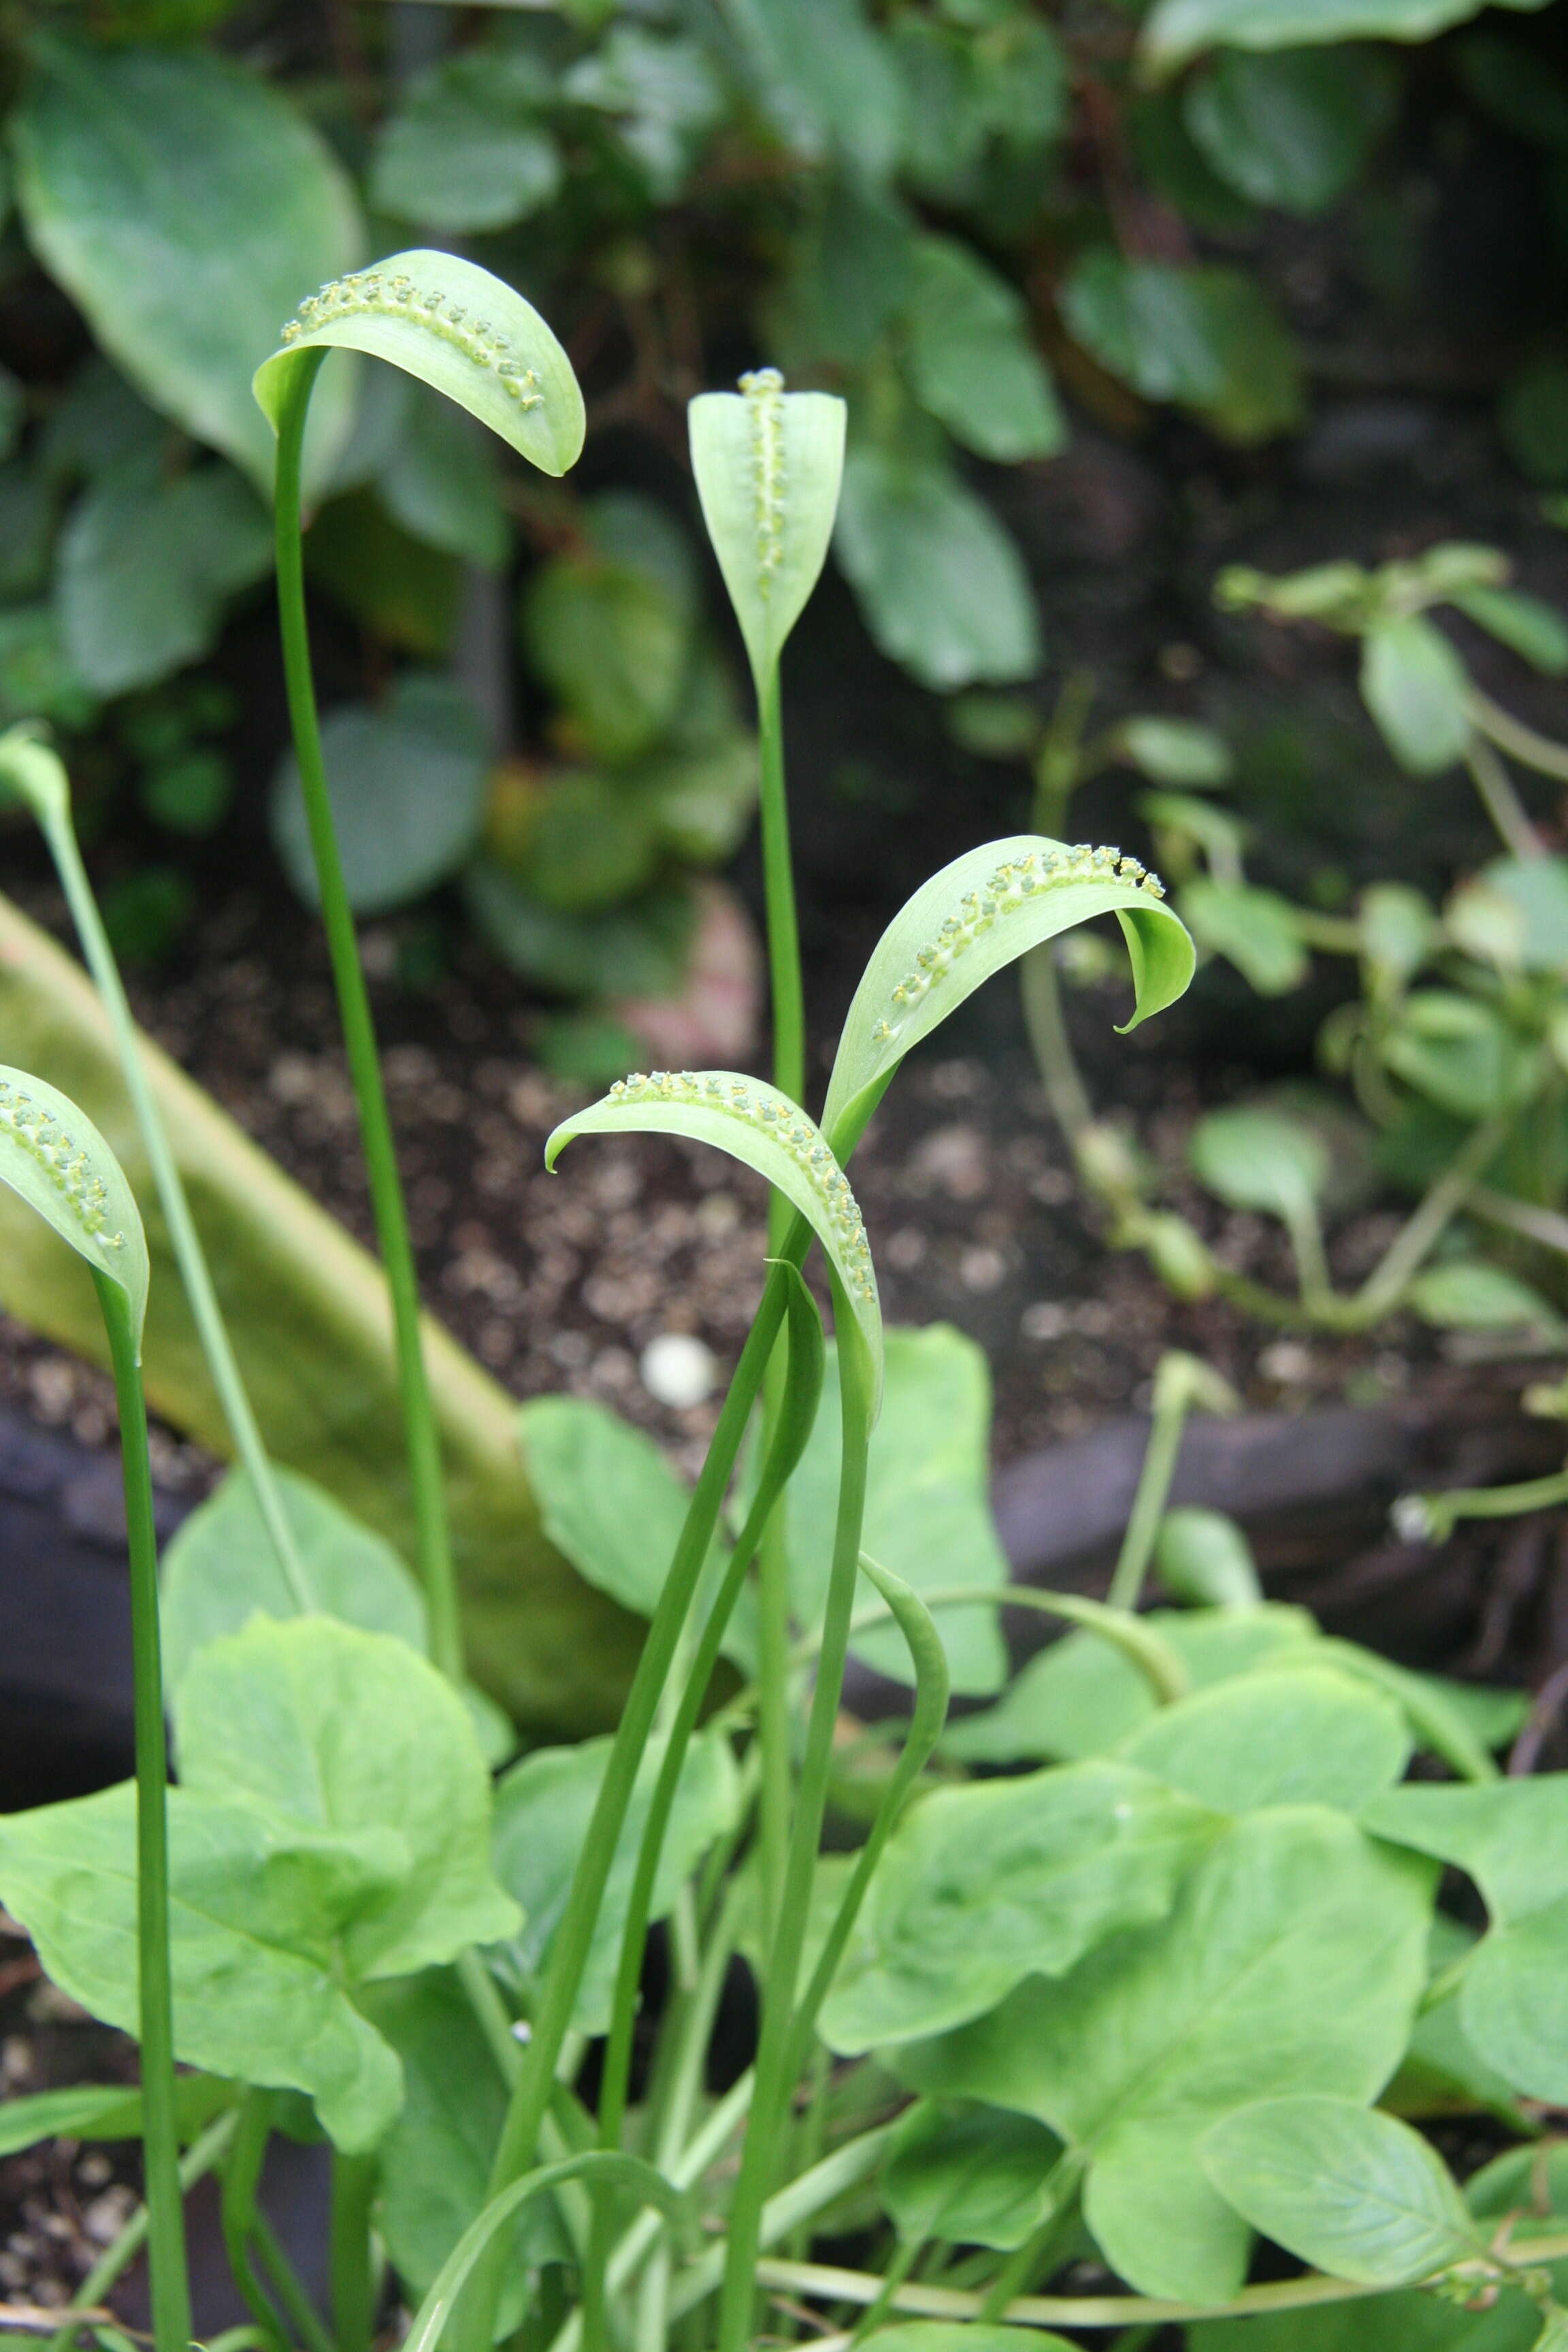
432 1540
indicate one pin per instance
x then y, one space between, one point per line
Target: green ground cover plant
964 217
1150 1957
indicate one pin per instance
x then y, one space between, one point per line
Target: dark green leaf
434 2165
971 359
590 842
1354 2193
407 784
146 568
981 1887
441 484
466 149
1176 30
1457 1051
661 92
401 589
1533 420
638 949
826 77
1257 930
614 645
185 206
942 587
1202 335
1291 128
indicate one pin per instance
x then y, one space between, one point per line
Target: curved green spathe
53 1157
976 915
768 463
761 1127
455 327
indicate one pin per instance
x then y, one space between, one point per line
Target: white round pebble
678 1370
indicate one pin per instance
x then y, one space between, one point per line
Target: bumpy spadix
455 327
760 1126
989 906
53 1157
768 463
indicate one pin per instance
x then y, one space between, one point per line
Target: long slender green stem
1381 1290
1165 1428
1512 736
776 2038
432 1539
240 2212
826 2283
112 2265
787 991
791 1430
570 1946
1501 803
159 2123
353 2281
1046 1021
189 1254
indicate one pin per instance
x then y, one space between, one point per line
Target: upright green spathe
768 464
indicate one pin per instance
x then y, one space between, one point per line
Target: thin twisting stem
159 2124
1170 1419
189 1254
432 1540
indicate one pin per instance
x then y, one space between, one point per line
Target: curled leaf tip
760 1126
65 1165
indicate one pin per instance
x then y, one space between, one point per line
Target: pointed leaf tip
976 915
456 328
761 1127
768 463
53 1157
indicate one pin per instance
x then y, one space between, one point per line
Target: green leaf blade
1353 2192
182 204
759 1126
975 915
768 464
459 329
53 1157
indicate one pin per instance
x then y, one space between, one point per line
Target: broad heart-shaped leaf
256 1913
1354 2193
976 915
348 1733
1292 1962
759 1126
434 2165
968 2174
979 1887
1081 1695
1297 1736
768 463
53 1157
407 783
1290 130
220 1569
928 1508
541 1813
1176 30
1415 685
459 329
1511 1837
183 204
